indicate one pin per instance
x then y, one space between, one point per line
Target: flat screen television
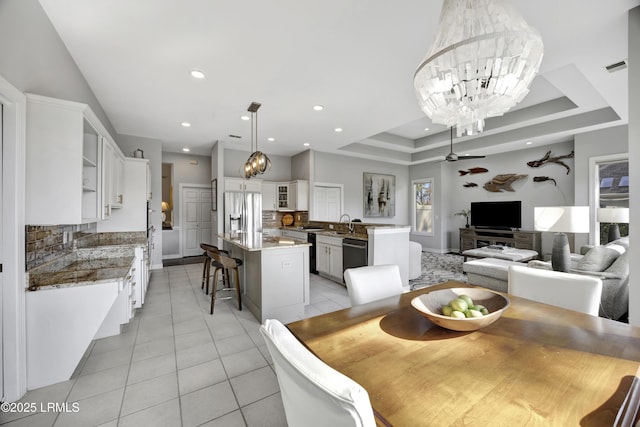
500 215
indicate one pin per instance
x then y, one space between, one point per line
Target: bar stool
227 264
206 267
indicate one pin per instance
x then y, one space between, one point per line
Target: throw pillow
597 259
623 241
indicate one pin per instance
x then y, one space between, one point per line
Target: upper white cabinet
269 196
299 195
239 184
290 196
63 162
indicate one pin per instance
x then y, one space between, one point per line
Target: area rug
438 268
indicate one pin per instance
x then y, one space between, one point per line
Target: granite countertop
258 241
81 268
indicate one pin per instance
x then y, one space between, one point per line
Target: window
423 213
615 173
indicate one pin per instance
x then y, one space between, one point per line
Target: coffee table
510 254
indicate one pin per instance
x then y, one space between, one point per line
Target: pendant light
258 162
481 64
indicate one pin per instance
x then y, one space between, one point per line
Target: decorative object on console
561 219
500 183
547 159
544 178
379 195
165 207
481 63
465 213
613 216
258 162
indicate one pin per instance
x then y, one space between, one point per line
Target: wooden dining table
537 365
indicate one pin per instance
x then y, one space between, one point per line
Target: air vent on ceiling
621 65
234 136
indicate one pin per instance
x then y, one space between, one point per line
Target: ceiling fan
453 157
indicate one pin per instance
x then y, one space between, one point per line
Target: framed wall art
379 195
214 194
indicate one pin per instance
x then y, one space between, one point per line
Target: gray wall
300 166
634 162
332 168
234 162
34 59
186 173
153 151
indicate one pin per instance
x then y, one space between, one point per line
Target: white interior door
327 202
196 219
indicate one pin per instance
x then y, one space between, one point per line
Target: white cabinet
329 256
269 196
282 192
239 184
149 192
132 216
112 177
63 167
299 195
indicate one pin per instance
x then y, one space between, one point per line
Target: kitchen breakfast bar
274 276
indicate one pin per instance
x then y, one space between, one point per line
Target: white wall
634 162
332 168
300 166
153 151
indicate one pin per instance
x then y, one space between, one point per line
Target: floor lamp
613 216
561 219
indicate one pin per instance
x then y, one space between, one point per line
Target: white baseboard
156 266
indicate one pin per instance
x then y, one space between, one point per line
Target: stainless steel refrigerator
242 212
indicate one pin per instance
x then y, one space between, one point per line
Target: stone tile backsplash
44 243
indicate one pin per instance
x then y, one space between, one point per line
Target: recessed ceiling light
186 150
338 129
245 117
528 143
185 124
426 128
271 139
306 144
197 74
318 107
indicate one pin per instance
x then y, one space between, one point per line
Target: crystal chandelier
481 63
258 162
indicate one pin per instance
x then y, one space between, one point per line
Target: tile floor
176 365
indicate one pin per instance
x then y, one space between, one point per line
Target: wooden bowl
287 219
430 305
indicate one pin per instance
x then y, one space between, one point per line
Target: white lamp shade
613 215
562 219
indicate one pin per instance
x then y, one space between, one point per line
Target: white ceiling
356 58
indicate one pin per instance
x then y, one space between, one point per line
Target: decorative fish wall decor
473 171
470 184
500 183
548 159
544 178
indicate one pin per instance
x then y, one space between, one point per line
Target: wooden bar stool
228 264
206 266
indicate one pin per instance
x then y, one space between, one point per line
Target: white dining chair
573 291
371 283
313 393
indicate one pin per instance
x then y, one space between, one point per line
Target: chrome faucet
350 225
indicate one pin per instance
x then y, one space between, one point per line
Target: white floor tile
207 404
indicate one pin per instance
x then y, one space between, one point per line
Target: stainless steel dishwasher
354 253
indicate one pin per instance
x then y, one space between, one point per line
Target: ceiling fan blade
470 157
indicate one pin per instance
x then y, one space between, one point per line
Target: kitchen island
274 276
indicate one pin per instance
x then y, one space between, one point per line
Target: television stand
472 238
